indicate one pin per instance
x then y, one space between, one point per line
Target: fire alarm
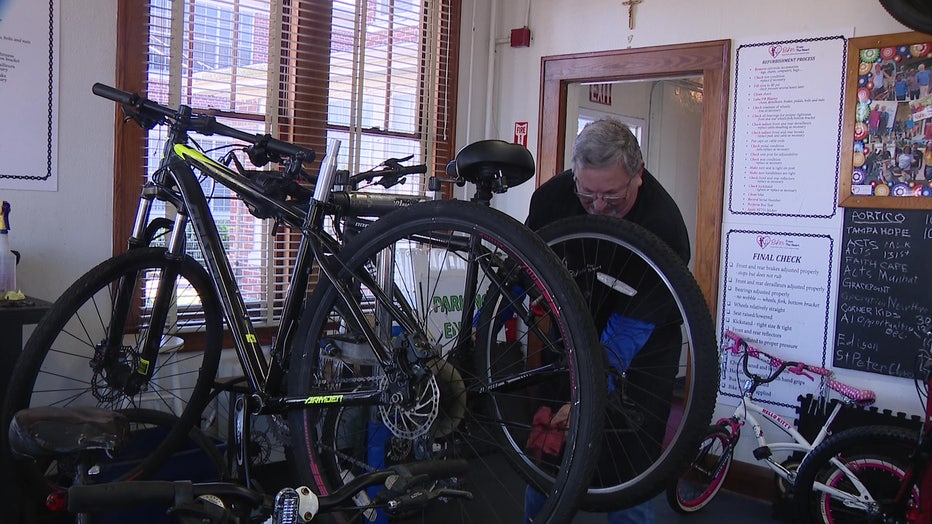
521 37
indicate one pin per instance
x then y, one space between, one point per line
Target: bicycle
873 473
81 435
663 395
368 344
695 488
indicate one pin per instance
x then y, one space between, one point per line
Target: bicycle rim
662 397
66 361
705 476
877 455
448 418
882 476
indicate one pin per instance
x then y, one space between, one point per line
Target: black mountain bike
392 359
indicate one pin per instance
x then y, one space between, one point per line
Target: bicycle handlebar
739 346
115 495
122 494
202 123
389 172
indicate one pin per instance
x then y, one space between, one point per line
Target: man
924 77
609 178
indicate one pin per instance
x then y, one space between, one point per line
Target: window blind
375 74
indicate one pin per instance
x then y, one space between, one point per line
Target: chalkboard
885 290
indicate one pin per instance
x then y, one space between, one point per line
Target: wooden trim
445 141
711 61
751 480
129 138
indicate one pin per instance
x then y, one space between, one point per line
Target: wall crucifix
631 4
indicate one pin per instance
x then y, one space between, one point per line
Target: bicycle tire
914 14
878 455
325 444
649 438
55 367
705 476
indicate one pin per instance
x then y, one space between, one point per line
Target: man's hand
562 418
548 431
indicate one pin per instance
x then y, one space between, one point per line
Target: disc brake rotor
415 419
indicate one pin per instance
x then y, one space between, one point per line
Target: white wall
560 27
62 234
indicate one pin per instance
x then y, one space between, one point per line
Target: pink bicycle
706 474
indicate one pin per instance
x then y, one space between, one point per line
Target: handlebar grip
292 150
112 93
818 370
114 495
413 170
132 99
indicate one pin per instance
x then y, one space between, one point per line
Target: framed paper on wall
886 145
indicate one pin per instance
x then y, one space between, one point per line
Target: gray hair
606 143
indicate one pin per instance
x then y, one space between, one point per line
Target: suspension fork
126 296
734 434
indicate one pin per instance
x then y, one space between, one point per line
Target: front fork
131 376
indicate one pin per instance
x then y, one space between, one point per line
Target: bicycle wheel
914 14
877 455
68 361
706 474
640 294
422 249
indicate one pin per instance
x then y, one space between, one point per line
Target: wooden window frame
130 140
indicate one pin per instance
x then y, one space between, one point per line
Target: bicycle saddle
52 431
481 162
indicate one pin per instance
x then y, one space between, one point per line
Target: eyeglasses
610 200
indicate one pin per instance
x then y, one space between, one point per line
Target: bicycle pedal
763 453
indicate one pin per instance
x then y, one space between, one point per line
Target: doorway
666 118
707 61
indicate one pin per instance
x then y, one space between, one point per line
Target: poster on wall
787 120
887 125
29 76
777 287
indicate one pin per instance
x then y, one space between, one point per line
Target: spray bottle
7 258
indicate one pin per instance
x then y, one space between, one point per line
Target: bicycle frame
917 479
744 414
264 376
747 408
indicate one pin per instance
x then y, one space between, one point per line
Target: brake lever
420 498
395 163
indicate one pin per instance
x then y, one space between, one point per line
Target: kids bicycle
705 476
873 473
146 327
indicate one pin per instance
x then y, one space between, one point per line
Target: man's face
608 191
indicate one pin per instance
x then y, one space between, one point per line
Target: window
373 73
590 115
